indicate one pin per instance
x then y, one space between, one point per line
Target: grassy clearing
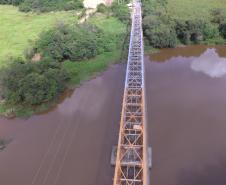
193 9
81 71
18 30
110 25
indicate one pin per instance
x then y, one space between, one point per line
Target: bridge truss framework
132 165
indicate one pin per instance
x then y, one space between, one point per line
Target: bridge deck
131 161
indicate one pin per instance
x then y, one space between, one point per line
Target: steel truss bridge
132 163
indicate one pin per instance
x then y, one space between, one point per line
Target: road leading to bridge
132 151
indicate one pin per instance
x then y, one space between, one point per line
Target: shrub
150 22
102 8
50 5
32 83
218 15
45 5
13 2
154 7
162 36
210 31
73 43
158 34
223 30
73 5
25 7
148 7
182 33
121 11
195 31
159 30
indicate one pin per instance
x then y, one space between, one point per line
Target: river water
71 145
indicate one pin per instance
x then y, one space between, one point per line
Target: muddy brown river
71 145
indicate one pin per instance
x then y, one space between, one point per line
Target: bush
12 2
50 5
162 37
158 34
210 31
159 28
121 11
45 5
32 83
154 7
148 7
73 43
150 22
195 31
223 30
25 7
218 15
102 8
73 5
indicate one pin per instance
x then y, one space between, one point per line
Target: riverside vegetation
168 23
44 5
66 54
63 55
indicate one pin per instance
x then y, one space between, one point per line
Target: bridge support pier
114 156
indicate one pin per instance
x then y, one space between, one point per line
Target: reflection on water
210 60
188 51
210 63
169 53
186 118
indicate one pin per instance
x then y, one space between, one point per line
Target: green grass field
110 25
18 29
196 9
80 71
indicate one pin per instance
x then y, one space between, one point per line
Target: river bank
80 71
85 110
186 99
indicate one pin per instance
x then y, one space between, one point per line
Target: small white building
94 3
